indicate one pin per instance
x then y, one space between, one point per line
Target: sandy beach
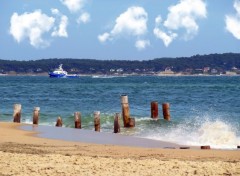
22 153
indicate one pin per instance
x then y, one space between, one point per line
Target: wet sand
28 153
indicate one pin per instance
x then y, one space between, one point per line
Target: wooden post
97 120
116 123
166 113
36 115
77 116
59 122
204 147
125 110
154 109
17 108
131 122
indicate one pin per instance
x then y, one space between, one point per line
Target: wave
217 134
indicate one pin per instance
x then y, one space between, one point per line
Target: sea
205 110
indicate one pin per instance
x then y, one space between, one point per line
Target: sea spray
217 134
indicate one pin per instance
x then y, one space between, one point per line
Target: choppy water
204 110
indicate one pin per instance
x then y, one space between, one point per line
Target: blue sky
122 29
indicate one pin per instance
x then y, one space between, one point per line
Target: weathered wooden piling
36 115
97 120
205 147
59 122
125 111
131 122
17 108
77 116
116 123
165 109
154 109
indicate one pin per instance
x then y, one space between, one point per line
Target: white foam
217 134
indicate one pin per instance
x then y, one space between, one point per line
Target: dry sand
24 154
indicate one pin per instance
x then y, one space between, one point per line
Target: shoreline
23 153
123 75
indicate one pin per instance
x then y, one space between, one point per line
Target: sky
117 29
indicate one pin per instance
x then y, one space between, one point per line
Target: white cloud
142 44
104 37
73 5
132 22
55 11
237 6
31 26
166 38
233 22
183 15
61 30
83 18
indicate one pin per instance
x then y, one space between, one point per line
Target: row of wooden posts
127 120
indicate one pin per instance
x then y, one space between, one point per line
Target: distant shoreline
123 75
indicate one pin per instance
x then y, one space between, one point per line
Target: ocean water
204 110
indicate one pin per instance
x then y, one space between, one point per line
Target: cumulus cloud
132 22
73 5
83 18
233 21
142 44
61 30
183 15
167 38
31 26
104 37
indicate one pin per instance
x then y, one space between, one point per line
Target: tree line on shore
220 62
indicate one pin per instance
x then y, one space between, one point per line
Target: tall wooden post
59 122
116 123
125 110
36 115
154 109
97 120
17 108
77 116
165 109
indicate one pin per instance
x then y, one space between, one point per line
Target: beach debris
59 122
127 121
165 109
97 120
204 147
36 115
116 123
169 147
184 147
17 108
77 116
154 109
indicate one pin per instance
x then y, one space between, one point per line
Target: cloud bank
183 15
233 21
132 22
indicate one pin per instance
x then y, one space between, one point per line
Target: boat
60 73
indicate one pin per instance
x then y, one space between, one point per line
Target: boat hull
53 75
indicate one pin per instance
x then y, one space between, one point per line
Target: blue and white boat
60 73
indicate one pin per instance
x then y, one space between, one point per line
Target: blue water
204 110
